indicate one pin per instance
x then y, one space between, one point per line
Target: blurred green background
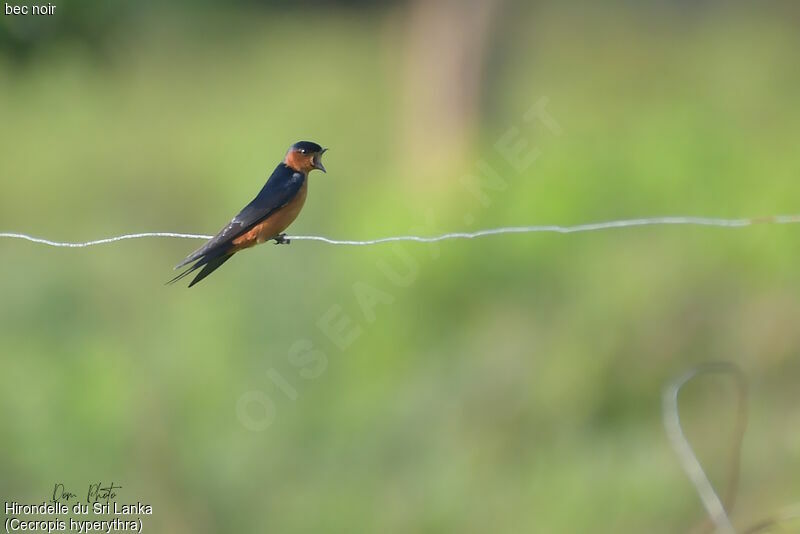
510 384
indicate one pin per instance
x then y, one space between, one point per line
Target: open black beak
318 160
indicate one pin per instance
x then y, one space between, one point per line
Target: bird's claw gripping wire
281 239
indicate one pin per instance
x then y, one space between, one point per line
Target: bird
266 216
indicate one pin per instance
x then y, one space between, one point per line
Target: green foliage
511 385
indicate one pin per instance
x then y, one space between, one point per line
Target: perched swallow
265 218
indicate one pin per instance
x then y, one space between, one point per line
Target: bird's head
305 156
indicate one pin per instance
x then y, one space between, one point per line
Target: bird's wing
281 188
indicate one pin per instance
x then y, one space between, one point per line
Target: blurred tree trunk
447 42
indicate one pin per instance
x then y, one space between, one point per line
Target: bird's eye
302 150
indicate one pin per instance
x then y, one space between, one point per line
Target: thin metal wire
680 444
591 227
84 244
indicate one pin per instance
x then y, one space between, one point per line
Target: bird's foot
280 239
